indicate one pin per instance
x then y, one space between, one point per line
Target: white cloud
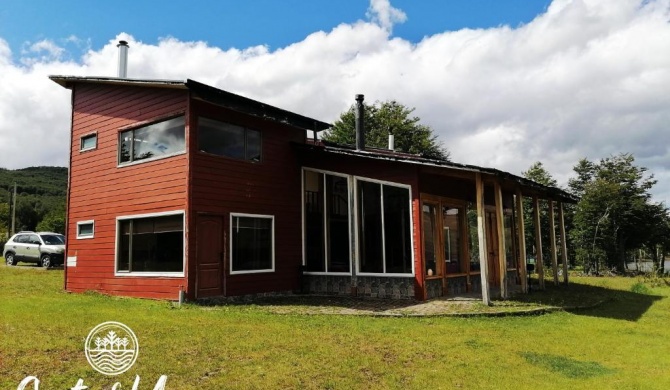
588 78
384 14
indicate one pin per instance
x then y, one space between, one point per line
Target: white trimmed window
88 142
327 222
251 243
384 228
157 140
150 244
85 229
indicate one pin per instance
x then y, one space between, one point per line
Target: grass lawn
620 344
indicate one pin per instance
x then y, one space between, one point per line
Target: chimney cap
122 43
360 97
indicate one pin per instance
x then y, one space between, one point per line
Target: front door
492 247
210 254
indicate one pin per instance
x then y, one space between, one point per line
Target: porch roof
207 93
528 187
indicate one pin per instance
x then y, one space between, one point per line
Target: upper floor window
225 139
156 140
88 142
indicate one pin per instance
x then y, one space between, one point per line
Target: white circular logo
111 348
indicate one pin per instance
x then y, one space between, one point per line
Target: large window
251 243
152 141
225 139
151 244
510 238
473 237
384 228
431 239
326 212
451 227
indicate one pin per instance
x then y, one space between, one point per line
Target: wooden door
210 256
492 248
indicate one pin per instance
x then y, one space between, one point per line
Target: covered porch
465 208
429 241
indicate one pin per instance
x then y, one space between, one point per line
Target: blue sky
503 83
240 24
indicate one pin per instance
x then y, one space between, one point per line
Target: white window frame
304 243
230 244
149 274
85 237
411 230
89 135
140 125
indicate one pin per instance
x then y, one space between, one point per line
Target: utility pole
14 209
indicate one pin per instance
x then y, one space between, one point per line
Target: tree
615 214
382 119
54 221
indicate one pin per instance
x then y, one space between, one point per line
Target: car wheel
45 261
10 259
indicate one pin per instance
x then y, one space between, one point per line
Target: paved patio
466 305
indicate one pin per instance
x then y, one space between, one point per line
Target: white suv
43 248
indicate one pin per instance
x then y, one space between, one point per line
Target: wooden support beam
522 241
539 261
552 239
481 233
502 259
564 242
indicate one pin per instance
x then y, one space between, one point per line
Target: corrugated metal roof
382 154
210 94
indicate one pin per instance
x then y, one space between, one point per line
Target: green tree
615 214
382 119
4 221
54 221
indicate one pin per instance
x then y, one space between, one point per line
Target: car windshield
53 239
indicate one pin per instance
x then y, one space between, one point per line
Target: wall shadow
594 301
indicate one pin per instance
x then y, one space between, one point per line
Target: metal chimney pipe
391 142
360 125
123 59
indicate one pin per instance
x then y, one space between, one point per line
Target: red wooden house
179 186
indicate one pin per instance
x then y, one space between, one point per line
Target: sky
503 83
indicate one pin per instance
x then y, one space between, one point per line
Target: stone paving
461 306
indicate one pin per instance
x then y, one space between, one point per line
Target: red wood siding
221 186
101 191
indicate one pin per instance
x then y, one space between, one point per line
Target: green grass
619 344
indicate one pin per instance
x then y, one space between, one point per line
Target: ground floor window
444 230
510 237
384 228
151 244
473 237
326 222
251 243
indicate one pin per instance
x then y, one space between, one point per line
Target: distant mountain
41 195
48 181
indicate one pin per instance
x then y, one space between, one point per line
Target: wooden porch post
552 239
502 258
522 241
481 233
564 243
539 261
